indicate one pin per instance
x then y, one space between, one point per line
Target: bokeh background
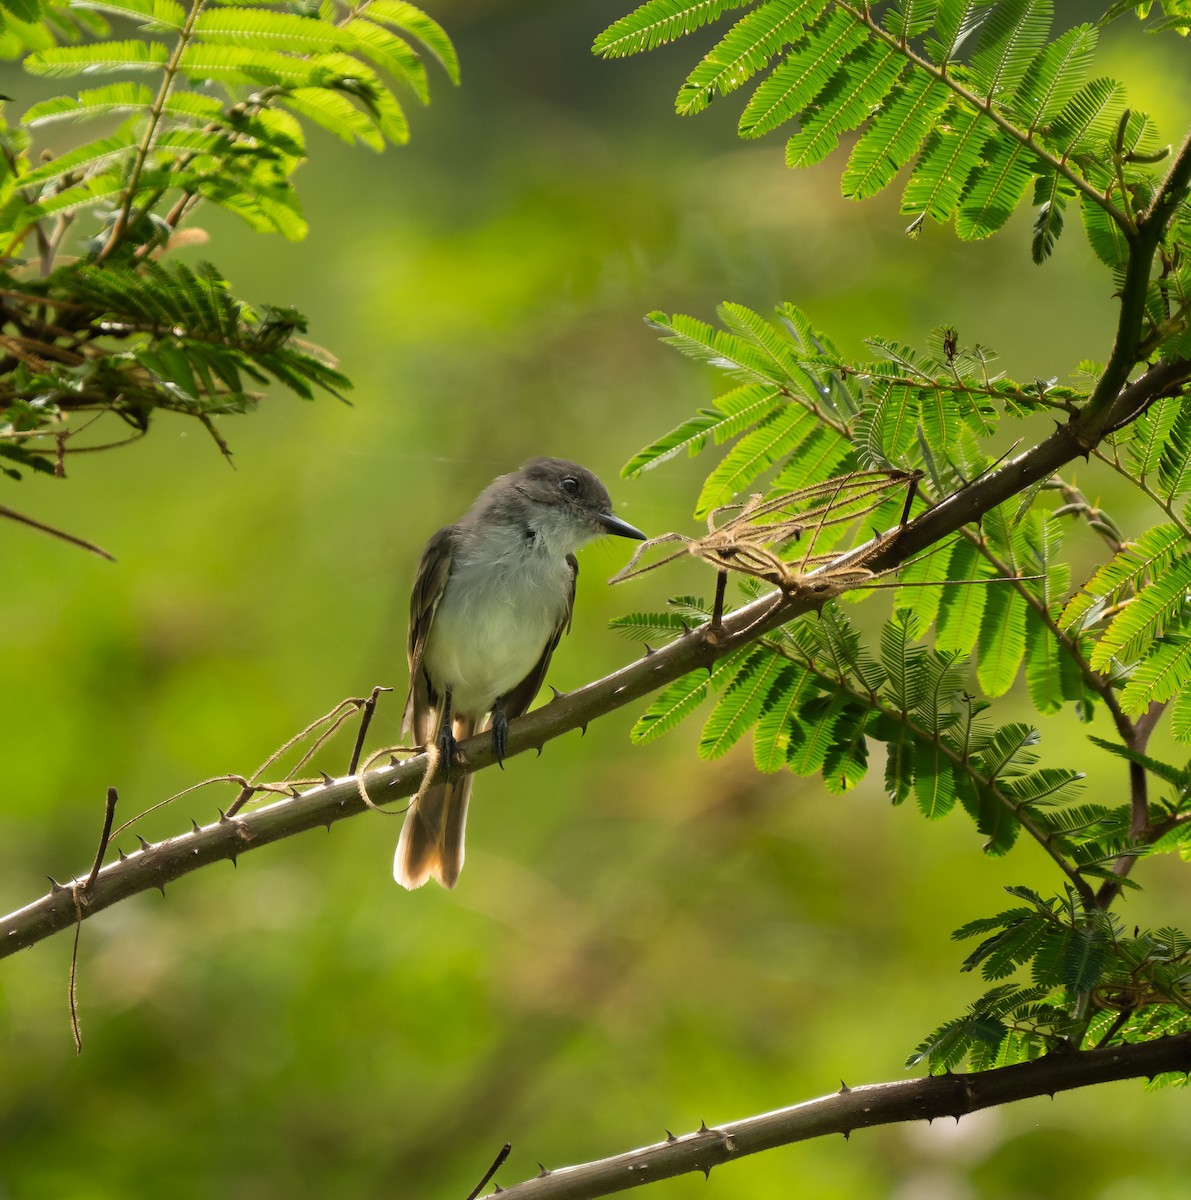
640 940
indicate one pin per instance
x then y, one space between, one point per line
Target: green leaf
771 738
1148 556
1083 959
335 113
899 765
962 606
1051 193
995 190
412 20
925 569
955 21
390 53
1056 75
89 155
157 15
1180 718
1044 670
824 454
846 761
802 74
894 136
886 429
675 701
735 412
97 58
862 82
741 704
93 102
812 736
934 780
776 436
1087 122
953 153
1002 639
1146 617
270 30
658 22
734 355
1174 467
1163 674
650 626
1009 750
1150 435
902 659
1178 777
1011 40
743 51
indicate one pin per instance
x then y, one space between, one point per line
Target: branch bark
856 1108
158 864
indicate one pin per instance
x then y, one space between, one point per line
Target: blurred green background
639 941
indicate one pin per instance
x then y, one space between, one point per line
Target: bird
492 596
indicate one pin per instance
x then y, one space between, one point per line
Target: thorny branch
926 1099
156 865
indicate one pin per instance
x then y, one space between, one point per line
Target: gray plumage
493 595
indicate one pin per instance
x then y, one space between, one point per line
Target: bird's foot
446 746
500 736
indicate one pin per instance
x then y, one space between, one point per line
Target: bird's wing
429 585
518 699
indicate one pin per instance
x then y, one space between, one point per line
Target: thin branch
857 1108
985 108
13 515
156 865
149 138
497 1163
109 813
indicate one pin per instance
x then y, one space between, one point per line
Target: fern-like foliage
199 101
972 615
815 700
215 111
161 337
1087 980
976 103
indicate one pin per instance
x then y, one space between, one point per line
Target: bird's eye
569 485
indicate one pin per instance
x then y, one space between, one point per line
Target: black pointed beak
617 526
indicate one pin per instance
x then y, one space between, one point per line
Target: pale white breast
500 607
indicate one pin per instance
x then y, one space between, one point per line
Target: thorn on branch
194 826
145 847
670 1137
55 886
